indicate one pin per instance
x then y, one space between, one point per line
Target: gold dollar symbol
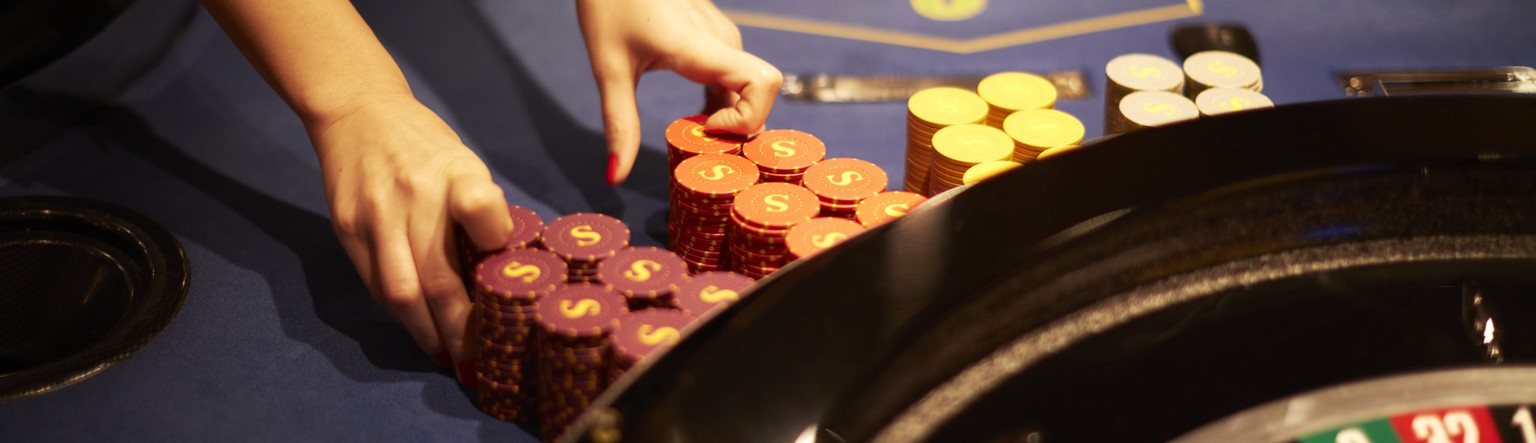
1236 104
827 240
641 270
528 273
1163 108
652 336
716 173
713 294
578 309
783 148
698 131
1143 71
585 236
1221 68
897 210
847 178
779 204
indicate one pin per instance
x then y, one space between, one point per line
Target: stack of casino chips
1220 69
703 188
886 206
705 292
584 240
576 321
958 148
508 286
983 171
644 336
783 155
1038 130
928 111
1131 73
526 226
841 183
1010 92
646 276
762 215
686 138
1147 109
815 235
1218 101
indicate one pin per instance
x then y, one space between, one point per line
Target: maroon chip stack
841 183
703 188
646 276
508 285
584 240
644 336
783 155
686 138
703 293
526 226
576 321
762 216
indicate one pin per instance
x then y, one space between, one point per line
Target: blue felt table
278 339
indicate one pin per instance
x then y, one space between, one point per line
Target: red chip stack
840 183
576 321
643 336
646 276
762 215
703 189
686 138
703 293
508 286
783 155
526 226
584 240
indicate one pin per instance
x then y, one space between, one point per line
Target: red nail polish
443 360
613 170
467 373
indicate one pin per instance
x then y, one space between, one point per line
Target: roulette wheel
1216 280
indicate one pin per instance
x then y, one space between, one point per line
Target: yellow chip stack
1010 92
983 171
1038 130
928 112
960 147
1130 73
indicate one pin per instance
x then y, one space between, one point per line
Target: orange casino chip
784 151
715 175
887 206
845 180
775 205
818 234
686 137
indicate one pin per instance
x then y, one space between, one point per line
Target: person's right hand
398 180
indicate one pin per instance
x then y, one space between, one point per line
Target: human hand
626 38
398 179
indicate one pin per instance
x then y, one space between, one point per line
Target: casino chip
577 321
1010 92
886 206
646 276
763 215
526 226
928 111
960 147
1216 101
704 292
783 155
507 287
1137 72
813 236
583 240
983 171
1220 69
704 188
840 183
1038 130
1147 109
644 336
686 138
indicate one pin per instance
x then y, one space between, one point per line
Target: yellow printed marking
714 294
585 307
585 236
1190 8
652 336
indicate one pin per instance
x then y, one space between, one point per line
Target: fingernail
467 373
443 360
613 170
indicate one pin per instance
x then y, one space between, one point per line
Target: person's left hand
626 38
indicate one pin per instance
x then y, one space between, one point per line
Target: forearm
318 54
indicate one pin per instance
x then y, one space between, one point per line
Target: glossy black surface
852 339
86 285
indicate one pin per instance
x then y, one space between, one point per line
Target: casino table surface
279 340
